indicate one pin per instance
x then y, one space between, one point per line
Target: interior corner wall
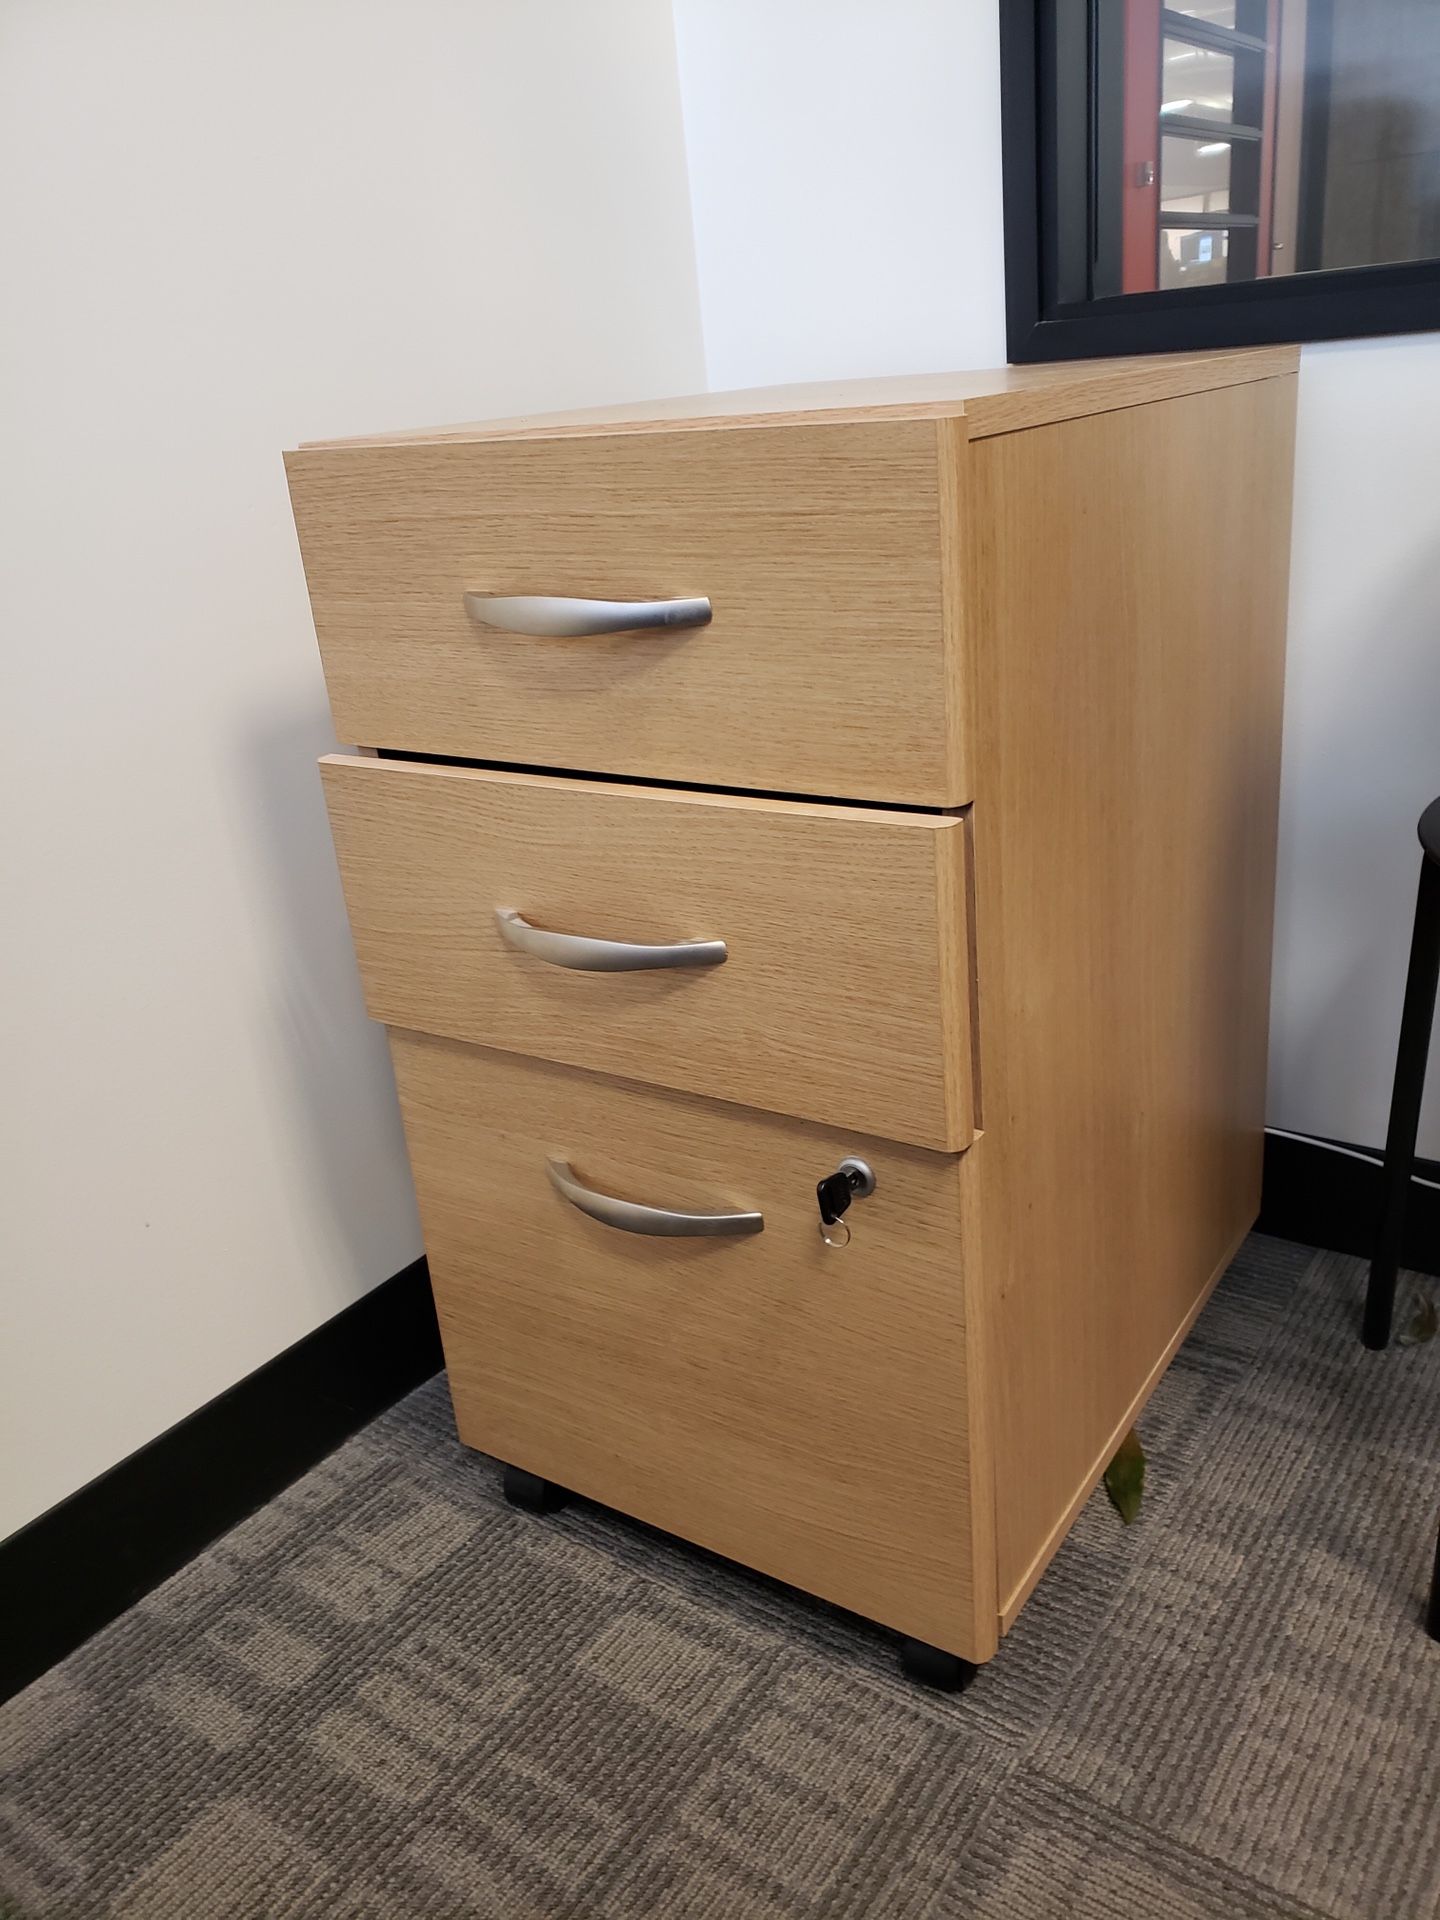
845 176
224 230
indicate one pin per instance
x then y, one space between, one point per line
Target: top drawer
828 665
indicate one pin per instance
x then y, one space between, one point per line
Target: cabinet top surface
997 400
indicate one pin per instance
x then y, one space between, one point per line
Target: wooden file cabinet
941 838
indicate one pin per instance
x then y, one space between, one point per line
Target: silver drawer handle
558 618
585 955
630 1217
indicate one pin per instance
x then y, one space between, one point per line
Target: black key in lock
851 1180
834 1193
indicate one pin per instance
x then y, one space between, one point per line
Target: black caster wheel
946 1672
528 1490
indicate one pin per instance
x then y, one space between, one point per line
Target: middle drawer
553 917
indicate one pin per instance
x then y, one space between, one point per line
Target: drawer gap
641 780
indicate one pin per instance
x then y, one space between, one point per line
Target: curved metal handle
630 1217
585 955
556 617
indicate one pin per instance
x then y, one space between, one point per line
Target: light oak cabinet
762 784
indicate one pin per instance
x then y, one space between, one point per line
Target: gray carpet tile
388 1694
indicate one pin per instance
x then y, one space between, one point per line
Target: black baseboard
1327 1199
80 1565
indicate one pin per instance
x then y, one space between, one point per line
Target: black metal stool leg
1415 1024
1432 1612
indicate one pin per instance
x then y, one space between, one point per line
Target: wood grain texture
1126 584
993 400
846 993
798 1408
827 669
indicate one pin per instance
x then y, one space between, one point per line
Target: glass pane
1191 258
1217 13
1342 168
1379 199
1194 176
1197 82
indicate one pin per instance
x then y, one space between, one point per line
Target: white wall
224 229
1362 731
845 179
845 176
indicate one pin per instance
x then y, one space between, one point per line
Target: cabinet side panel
1128 579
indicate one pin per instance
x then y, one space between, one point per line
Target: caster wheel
528 1490
946 1672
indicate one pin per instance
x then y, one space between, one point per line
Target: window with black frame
1219 172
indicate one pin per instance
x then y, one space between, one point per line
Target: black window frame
1052 233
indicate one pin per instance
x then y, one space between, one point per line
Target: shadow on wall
353 1201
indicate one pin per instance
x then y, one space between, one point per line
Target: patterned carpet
388 1694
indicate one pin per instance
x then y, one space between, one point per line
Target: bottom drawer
798 1407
